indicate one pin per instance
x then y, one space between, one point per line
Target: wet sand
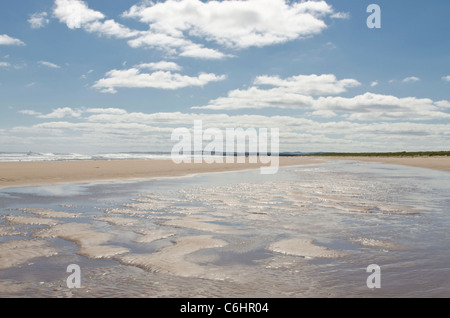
28 174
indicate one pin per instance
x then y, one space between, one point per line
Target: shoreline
46 173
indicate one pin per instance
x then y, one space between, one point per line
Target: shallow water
308 231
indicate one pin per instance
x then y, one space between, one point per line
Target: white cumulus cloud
117 129
187 27
163 65
76 14
234 23
134 78
49 64
298 92
293 92
175 45
326 84
38 20
411 79
341 15
7 40
57 113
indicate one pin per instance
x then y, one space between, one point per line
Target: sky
99 76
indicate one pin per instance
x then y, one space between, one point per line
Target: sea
50 156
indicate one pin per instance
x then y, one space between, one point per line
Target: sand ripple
17 219
385 245
47 213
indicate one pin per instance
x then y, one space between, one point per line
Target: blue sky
102 76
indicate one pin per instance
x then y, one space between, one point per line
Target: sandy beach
27 174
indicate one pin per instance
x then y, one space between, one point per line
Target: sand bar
28 174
